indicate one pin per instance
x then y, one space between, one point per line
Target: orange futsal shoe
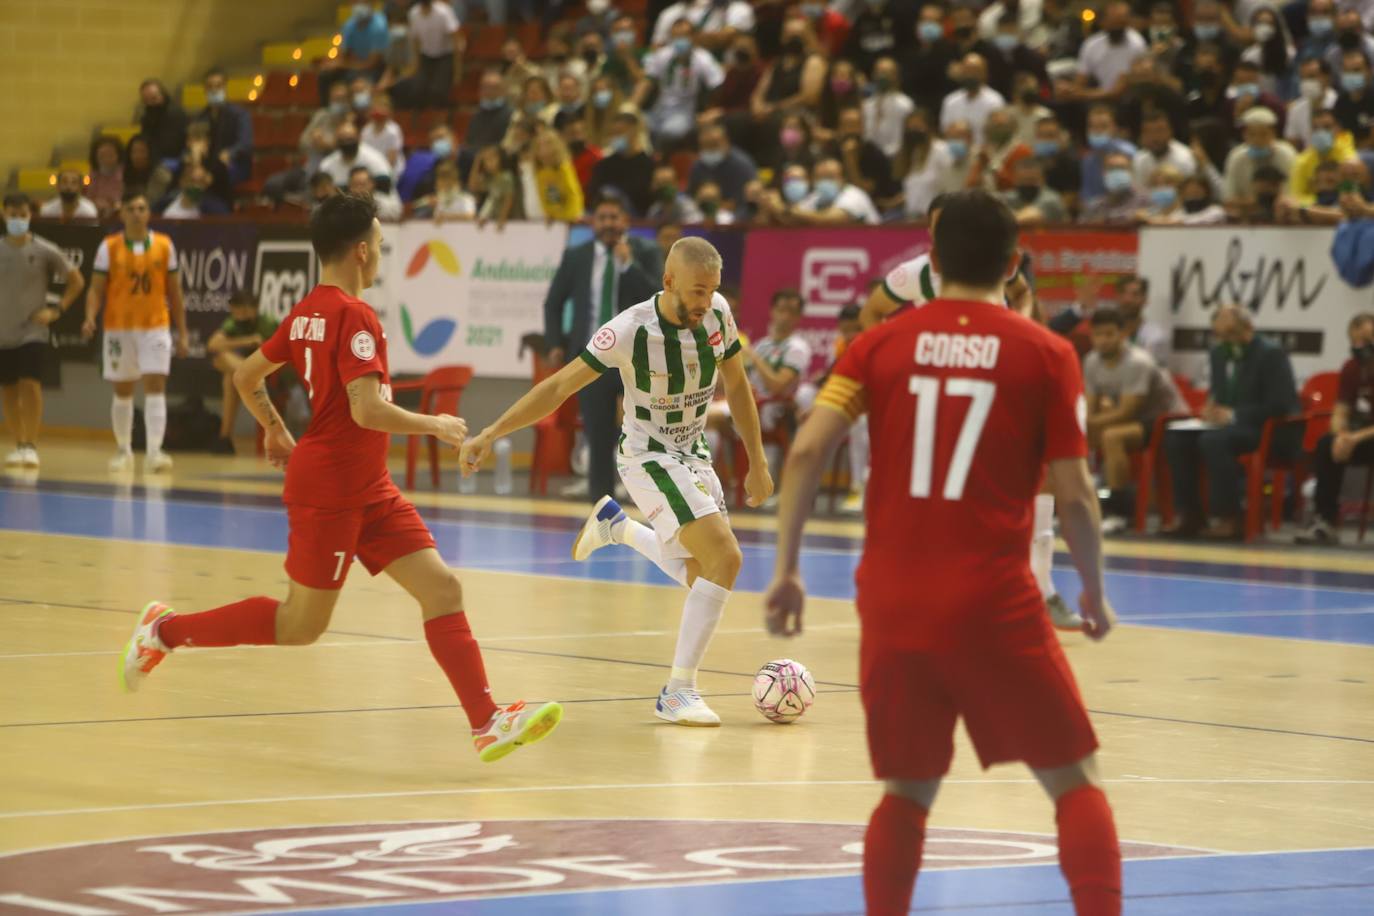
512 727
144 651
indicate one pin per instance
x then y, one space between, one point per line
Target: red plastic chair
1148 468
780 435
1317 396
440 391
553 435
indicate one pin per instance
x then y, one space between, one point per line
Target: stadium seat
682 162
780 435
1317 397
530 39
553 435
276 91
484 43
266 130
461 120
440 391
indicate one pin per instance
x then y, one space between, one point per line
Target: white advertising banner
455 295
1285 277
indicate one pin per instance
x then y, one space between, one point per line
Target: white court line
623 787
406 641
1218 615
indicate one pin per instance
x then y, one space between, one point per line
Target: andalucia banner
455 295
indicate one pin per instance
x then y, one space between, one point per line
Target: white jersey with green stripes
913 281
669 373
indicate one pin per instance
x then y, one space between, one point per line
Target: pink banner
831 268
1071 264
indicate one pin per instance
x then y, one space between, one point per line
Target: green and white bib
669 374
913 281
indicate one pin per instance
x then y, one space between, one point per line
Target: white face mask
1311 89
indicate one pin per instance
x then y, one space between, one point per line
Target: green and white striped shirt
669 374
913 281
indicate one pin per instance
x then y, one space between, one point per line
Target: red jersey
332 338
967 402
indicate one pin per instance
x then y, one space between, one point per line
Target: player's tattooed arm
264 403
250 378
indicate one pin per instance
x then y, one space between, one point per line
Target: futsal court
1235 706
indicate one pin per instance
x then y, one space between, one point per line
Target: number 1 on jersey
927 392
309 385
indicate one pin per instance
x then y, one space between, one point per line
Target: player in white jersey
670 352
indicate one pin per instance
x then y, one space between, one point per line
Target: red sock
450 641
1088 852
250 622
892 854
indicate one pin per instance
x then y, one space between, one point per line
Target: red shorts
1012 686
323 542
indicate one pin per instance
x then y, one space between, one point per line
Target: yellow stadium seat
280 54
81 165
317 47
122 132
192 97
37 180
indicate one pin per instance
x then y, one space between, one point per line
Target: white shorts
130 355
671 490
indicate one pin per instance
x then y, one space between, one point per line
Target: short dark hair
974 239
339 223
611 197
213 71
1104 316
937 203
850 312
1269 173
787 292
18 199
359 168
133 192
319 179
1130 279
243 296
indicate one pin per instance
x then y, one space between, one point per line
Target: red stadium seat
440 392
290 130
530 39
265 130
276 90
306 93
484 43
553 435
461 120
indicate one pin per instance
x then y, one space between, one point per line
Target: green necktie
608 288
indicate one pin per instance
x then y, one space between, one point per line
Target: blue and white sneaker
597 532
685 707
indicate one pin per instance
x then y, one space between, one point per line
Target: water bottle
467 484
502 450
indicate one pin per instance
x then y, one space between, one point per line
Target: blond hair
691 251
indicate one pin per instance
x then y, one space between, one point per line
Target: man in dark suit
1252 381
600 278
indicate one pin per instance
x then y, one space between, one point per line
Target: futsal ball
783 691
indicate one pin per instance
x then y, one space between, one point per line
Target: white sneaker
575 489
685 707
596 533
157 463
144 651
122 461
853 504
15 458
30 456
1061 615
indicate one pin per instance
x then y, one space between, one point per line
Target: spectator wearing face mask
829 24
1026 107
1163 35
1208 97
1123 200
628 168
559 61
193 199
717 22
400 67
1324 207
231 128
682 75
449 203
1211 31
1350 36
1158 148
1263 208
1330 144
162 122
926 69
1164 207
1103 141
670 204
742 74
383 134
1314 94
865 163
872 34
1354 107
1051 146
1246 94
795 144
925 167
959 142
832 201
603 102
1195 206
623 55
973 101
995 161
1272 51
1033 203
715 210
1261 148
793 81
1106 56
106 185
1016 57
844 88
1321 30
322 187
418 178
350 152
1027 16
492 117
362 49
601 16
721 164
361 183
885 111
584 155
69 204
571 100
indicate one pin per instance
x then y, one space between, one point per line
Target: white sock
642 540
155 420
700 616
1042 544
122 422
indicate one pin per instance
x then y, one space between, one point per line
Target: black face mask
1328 198
589 57
1363 354
917 137
1028 193
1196 205
794 47
1266 201
68 196
1116 36
1030 97
741 57
577 147
1208 78
963 32
349 148
1349 41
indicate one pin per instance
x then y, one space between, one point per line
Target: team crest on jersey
604 339
898 277
715 339
702 487
363 346
693 369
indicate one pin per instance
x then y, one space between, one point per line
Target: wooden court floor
1214 739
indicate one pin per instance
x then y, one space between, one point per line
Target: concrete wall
70 65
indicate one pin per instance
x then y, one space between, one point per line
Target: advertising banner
216 261
78 243
458 295
831 268
1285 277
1069 263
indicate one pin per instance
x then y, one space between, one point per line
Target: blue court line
1188 602
1327 882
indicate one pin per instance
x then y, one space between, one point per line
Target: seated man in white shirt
388 203
974 100
350 154
1158 147
832 201
69 204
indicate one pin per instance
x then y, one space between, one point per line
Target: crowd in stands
807 113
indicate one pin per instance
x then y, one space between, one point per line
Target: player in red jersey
340 500
968 402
